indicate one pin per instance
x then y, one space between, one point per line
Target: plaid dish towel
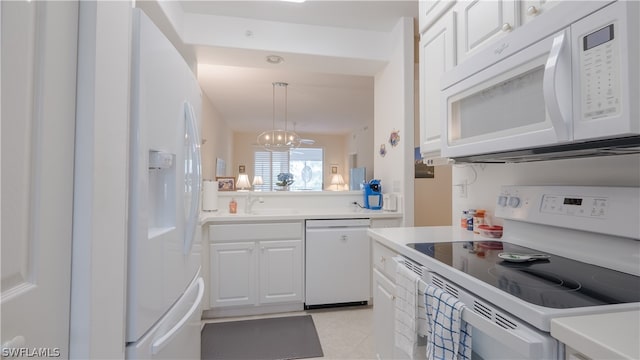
449 335
406 306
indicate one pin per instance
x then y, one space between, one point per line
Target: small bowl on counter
490 231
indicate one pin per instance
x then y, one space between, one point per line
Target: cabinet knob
344 238
532 11
506 27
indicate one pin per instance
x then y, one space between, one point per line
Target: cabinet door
437 55
383 315
280 271
233 274
531 9
480 22
429 11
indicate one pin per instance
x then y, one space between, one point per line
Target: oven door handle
519 339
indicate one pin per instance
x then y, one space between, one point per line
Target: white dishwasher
337 263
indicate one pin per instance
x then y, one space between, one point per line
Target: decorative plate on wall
394 138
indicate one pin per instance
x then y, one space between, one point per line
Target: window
305 164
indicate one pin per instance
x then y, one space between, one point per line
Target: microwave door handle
550 87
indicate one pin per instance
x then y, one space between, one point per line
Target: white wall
393 104
483 189
360 143
217 138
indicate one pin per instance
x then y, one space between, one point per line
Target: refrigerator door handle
193 176
164 339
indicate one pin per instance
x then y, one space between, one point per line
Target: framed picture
334 169
226 183
241 169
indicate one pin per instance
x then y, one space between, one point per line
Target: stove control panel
597 209
575 206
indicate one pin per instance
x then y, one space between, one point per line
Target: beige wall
335 153
433 199
217 140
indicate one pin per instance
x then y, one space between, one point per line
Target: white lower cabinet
256 264
383 315
384 295
233 274
280 271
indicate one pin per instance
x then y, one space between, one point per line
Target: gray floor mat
292 337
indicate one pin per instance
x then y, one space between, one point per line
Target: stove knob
502 201
514 201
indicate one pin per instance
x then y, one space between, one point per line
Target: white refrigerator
164 286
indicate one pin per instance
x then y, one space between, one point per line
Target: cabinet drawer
255 231
383 260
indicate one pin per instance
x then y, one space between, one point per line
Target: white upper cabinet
532 9
429 11
480 22
437 55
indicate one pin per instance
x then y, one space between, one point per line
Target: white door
38 119
233 274
280 271
437 55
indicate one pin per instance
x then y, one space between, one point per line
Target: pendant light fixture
278 139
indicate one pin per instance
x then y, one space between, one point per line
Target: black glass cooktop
557 282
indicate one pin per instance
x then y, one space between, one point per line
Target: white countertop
278 214
601 336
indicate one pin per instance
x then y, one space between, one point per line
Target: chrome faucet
251 199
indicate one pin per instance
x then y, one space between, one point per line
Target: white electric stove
592 238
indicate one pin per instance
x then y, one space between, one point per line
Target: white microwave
564 85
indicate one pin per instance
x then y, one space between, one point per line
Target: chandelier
279 139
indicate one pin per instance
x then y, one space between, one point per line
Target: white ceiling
239 82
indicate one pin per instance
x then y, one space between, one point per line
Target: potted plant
284 180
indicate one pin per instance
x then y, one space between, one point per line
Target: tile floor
345 333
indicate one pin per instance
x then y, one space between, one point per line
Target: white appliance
164 287
565 85
337 261
593 247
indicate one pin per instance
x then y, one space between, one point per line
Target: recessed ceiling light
275 59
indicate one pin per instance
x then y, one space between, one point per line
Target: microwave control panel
600 73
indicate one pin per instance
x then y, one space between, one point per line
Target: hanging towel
449 335
406 309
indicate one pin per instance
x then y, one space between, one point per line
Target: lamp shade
337 180
257 180
243 182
